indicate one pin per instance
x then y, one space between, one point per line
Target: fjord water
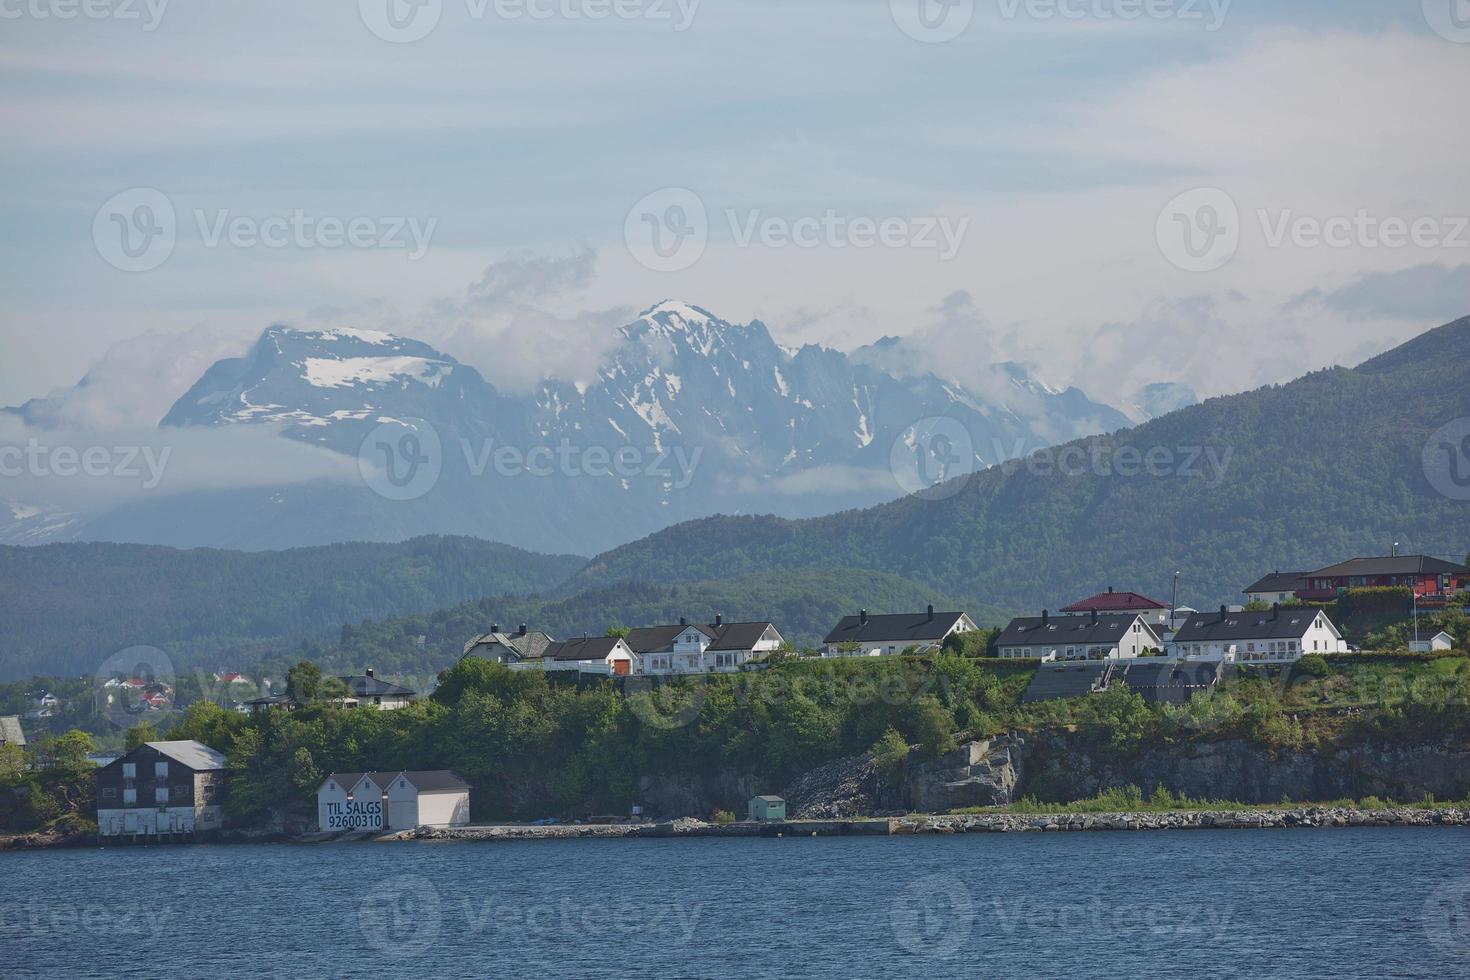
1308 903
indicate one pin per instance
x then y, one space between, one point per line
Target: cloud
526 277
136 381
1430 294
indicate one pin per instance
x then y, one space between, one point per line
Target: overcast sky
1037 173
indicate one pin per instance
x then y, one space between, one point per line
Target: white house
365 690
1439 641
1276 634
877 636
351 801
1278 587
1046 637
698 648
373 801
427 798
590 655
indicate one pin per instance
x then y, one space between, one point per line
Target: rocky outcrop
848 787
1283 818
1069 766
982 773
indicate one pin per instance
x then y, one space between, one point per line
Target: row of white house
686 648
375 801
1097 632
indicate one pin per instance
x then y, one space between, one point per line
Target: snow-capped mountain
690 415
1161 398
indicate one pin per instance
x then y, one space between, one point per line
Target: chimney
719 619
495 627
370 672
1222 614
1275 610
1045 616
683 620
862 617
1110 590
1094 617
931 610
523 629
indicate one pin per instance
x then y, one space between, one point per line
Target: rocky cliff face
1066 767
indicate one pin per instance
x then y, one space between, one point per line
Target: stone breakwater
978 823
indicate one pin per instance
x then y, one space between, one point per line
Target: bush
1313 665
722 817
890 752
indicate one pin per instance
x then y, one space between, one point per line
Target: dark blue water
1349 903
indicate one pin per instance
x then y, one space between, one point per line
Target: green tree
12 764
304 682
138 734
621 631
69 752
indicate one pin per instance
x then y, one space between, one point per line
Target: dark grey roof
1279 582
434 780
1395 565
10 731
1064 680
900 628
360 686
346 780
1271 624
653 639
1154 679
1069 630
1169 682
589 648
269 699
528 645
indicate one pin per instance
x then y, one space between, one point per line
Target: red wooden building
1431 578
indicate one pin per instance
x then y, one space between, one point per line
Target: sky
1115 192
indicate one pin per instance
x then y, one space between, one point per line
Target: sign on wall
354 815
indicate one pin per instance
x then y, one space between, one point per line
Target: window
160 795
109 792
130 797
130 770
160 770
181 794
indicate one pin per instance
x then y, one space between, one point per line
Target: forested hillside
1291 476
67 607
803 603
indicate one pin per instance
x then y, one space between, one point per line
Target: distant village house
888 635
161 790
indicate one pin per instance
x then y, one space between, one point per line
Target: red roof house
1116 602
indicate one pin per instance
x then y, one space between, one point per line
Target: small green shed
767 808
